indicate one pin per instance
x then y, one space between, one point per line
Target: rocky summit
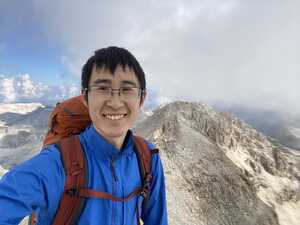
220 171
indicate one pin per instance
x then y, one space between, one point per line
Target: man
114 89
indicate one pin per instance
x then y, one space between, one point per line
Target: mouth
114 116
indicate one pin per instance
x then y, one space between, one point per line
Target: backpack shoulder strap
144 156
76 177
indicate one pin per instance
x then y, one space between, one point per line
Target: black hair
109 58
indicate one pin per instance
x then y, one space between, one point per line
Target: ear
143 97
84 95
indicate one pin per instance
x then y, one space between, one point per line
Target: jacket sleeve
155 211
36 184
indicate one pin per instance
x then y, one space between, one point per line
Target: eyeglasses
125 93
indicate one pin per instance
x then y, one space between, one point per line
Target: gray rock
206 187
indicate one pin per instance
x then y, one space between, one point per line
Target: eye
127 90
102 88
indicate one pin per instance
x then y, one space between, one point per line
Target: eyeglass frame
112 90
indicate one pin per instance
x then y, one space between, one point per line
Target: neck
115 141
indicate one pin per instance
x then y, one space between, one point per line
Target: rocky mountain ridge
21 135
2 171
229 173
283 126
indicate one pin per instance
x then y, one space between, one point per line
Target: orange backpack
68 118
66 121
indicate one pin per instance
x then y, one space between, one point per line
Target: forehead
120 75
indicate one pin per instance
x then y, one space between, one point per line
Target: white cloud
27 88
22 88
7 93
72 65
209 50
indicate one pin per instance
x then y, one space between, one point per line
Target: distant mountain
285 127
21 135
2 171
19 108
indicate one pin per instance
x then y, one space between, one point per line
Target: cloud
22 88
73 66
235 51
6 87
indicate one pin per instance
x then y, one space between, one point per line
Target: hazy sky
229 51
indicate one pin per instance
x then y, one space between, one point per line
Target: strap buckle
72 192
145 190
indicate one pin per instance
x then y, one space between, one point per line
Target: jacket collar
102 148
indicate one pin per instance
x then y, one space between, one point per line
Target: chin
117 134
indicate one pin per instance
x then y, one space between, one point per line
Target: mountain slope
2 171
282 126
19 108
23 135
218 169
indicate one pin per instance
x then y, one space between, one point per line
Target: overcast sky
229 51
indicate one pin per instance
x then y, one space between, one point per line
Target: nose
115 101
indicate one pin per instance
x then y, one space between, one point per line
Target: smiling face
113 116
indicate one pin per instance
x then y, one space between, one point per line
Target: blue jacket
38 183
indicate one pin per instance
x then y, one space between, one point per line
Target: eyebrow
107 81
124 82
102 81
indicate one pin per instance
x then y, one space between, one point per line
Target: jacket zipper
113 170
115 180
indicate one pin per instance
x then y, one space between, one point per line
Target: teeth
114 117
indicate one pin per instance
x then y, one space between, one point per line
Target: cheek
94 109
135 110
